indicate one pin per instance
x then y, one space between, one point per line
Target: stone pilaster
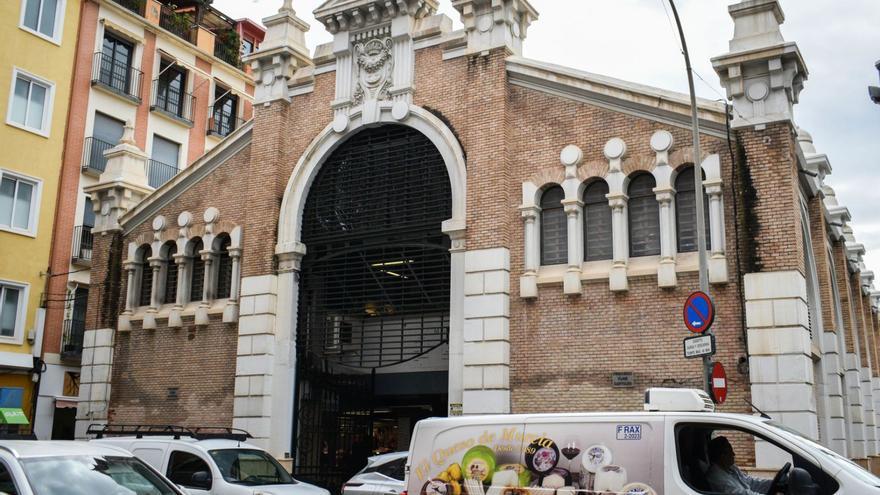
834 392
487 331
780 364
281 54
492 24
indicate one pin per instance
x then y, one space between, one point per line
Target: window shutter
224 270
685 211
197 280
598 235
171 275
554 238
644 217
146 276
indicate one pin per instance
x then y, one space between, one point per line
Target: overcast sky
635 40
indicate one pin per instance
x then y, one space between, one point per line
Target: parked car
383 475
678 446
208 462
31 467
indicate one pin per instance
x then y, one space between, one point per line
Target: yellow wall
24 258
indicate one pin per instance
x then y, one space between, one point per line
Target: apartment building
174 72
39 37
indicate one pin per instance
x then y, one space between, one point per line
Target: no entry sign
699 312
719 383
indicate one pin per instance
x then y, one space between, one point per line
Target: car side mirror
201 480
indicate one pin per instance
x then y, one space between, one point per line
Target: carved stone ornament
374 68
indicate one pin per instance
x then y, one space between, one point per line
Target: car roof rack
176 432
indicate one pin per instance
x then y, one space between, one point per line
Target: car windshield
250 467
89 475
839 460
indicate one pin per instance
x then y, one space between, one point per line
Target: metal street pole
698 184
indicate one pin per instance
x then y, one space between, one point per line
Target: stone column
834 390
181 262
230 312
207 288
666 276
574 215
718 249
124 324
619 227
487 331
780 349
155 266
528 283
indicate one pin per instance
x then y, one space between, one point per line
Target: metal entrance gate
374 289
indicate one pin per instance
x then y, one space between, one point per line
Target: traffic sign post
699 346
718 384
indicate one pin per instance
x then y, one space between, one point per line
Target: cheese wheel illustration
638 489
595 457
479 463
610 478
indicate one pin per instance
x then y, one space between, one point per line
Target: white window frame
18 336
58 29
31 231
47 105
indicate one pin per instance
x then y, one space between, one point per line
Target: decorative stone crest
375 64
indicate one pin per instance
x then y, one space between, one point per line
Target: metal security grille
644 217
686 212
554 238
374 289
598 235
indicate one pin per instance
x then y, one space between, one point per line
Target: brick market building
419 221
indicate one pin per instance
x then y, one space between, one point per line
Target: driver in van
725 477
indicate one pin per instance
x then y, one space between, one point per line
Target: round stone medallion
758 91
571 155
615 148
340 123
184 219
159 223
400 110
211 215
661 141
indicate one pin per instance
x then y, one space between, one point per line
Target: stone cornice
635 99
344 15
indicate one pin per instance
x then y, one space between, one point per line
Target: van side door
151 452
189 468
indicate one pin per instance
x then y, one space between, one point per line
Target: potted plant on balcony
228 47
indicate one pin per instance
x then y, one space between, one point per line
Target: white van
678 446
207 461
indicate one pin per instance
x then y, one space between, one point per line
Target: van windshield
250 467
839 460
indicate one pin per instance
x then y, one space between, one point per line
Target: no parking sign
699 312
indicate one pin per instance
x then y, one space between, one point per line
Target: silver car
382 476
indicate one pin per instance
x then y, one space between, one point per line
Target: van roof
206 445
562 417
54 448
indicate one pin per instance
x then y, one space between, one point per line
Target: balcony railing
93 155
72 338
82 244
159 173
222 125
179 24
172 101
117 76
136 6
226 51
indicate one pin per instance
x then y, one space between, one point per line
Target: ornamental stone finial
287 7
128 134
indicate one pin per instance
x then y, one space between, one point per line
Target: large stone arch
336 133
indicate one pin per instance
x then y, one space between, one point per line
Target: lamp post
698 184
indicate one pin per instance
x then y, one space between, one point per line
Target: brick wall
197 362
772 166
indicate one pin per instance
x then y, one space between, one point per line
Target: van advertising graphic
597 458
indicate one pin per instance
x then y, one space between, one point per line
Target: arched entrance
373 314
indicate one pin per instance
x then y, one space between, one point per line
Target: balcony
117 77
72 339
93 162
82 245
181 24
227 47
222 125
136 6
159 173
172 102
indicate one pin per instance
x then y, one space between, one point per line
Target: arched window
146 273
224 266
169 250
598 240
197 271
554 241
644 216
686 212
